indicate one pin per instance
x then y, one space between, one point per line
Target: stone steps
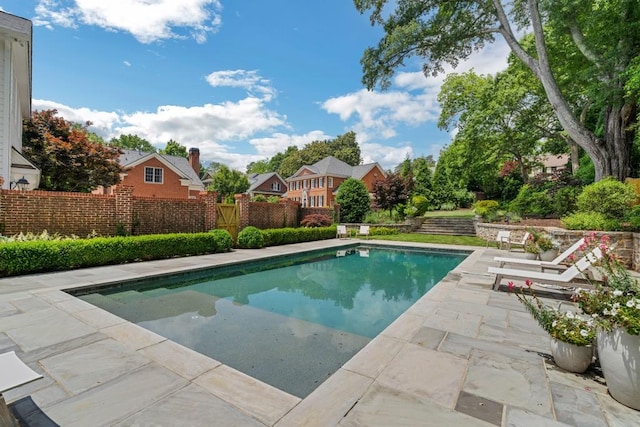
448 226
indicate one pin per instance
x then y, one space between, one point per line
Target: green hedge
283 236
41 256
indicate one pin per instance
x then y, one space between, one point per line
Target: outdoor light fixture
21 184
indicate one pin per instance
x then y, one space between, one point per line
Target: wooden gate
228 218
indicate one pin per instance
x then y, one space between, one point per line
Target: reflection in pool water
291 322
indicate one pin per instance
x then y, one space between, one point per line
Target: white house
15 101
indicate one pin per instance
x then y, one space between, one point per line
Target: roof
336 167
554 160
257 179
131 158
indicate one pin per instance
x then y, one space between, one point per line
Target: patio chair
364 231
554 264
341 232
502 238
13 373
564 278
521 243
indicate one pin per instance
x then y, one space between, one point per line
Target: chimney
194 159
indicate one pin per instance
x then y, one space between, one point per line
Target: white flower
584 332
616 305
555 322
630 303
614 312
569 315
617 293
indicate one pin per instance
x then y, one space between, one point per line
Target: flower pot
530 255
549 255
571 357
619 354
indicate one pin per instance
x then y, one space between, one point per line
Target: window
320 200
153 175
330 182
275 186
320 182
313 183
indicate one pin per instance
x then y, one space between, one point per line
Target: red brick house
266 184
159 175
316 185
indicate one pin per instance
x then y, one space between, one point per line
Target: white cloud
127 63
147 21
103 122
387 157
248 80
412 100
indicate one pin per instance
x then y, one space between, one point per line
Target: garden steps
448 226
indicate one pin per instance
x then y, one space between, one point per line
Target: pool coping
329 404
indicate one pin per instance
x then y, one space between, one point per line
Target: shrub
421 203
608 197
250 238
354 200
382 231
34 256
259 198
316 220
565 200
283 236
273 199
224 240
463 198
530 202
590 221
448 206
633 219
486 208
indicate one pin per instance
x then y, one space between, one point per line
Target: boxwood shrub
250 238
283 236
41 256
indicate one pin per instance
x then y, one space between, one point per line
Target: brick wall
56 212
274 215
152 215
321 211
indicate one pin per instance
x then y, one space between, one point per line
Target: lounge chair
522 242
341 232
13 373
554 264
562 279
364 231
502 238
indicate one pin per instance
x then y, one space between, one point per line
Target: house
160 175
316 185
266 184
15 102
548 164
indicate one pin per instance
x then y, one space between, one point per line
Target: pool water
291 322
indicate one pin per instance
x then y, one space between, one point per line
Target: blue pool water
290 322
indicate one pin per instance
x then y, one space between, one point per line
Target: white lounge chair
364 231
522 242
563 279
13 373
553 264
502 239
341 232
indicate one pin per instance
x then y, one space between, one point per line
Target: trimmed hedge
41 256
250 238
283 236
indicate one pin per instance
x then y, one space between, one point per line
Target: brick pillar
242 200
124 208
210 209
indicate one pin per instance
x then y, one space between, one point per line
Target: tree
174 148
392 191
228 182
606 35
354 200
132 142
420 170
68 160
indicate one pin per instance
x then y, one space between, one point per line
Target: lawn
458 213
434 238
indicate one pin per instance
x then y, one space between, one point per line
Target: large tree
68 160
604 33
174 148
132 142
392 191
353 198
227 182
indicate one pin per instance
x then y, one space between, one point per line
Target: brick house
159 175
266 184
15 102
316 185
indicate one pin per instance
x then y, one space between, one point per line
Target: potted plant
547 246
572 335
531 249
614 305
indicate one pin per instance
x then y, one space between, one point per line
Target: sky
240 80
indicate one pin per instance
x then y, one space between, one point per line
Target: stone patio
462 355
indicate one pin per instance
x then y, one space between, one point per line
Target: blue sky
241 80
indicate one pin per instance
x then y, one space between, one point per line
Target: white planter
571 357
529 255
549 255
619 355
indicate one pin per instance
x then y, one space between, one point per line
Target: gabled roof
336 167
180 165
257 179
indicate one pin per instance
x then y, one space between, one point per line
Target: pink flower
510 286
583 247
528 282
605 239
571 257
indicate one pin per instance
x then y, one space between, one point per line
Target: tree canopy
228 182
132 142
174 148
601 41
354 200
67 158
392 191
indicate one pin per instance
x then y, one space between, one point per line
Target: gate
228 218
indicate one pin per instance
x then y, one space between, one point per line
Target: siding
5 152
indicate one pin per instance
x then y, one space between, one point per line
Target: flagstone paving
463 355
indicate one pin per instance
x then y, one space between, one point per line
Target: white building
15 101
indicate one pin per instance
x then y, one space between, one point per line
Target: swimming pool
290 322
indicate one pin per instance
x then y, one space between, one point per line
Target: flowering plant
565 326
615 302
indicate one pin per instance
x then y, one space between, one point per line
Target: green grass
434 238
458 213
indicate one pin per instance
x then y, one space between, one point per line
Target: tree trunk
574 149
617 142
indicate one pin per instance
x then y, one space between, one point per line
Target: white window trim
154 175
